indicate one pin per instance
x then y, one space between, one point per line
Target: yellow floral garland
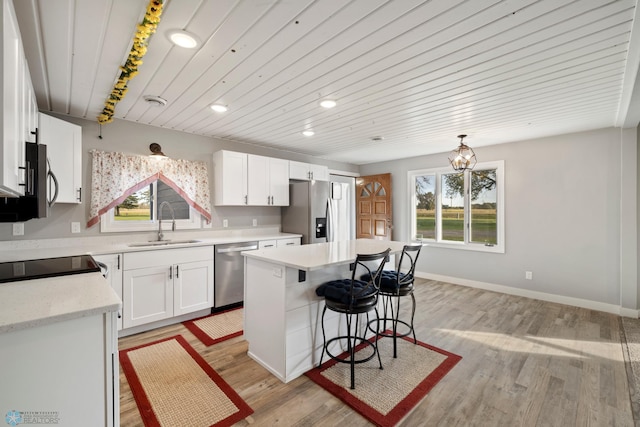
130 68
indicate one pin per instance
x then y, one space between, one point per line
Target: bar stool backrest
407 263
372 265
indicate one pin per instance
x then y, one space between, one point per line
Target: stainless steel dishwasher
229 273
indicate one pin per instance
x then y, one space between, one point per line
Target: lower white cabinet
113 276
278 243
165 283
65 372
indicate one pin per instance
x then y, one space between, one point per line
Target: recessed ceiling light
155 101
218 108
328 103
183 39
308 133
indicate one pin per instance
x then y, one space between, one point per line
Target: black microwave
34 203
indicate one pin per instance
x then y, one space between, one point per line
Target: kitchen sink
161 243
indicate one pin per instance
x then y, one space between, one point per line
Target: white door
258 180
148 295
279 182
64 151
230 178
193 287
114 276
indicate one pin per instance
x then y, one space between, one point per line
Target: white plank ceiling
414 72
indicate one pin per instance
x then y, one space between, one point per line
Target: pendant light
463 157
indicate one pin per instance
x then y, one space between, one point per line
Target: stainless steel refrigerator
321 211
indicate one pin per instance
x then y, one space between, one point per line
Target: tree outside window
459 208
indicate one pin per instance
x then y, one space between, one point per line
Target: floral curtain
115 176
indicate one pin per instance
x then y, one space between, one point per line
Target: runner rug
174 386
217 327
385 396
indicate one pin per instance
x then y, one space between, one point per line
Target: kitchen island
59 351
281 310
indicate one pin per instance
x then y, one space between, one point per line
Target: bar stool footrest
360 340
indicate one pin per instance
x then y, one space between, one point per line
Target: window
139 211
461 210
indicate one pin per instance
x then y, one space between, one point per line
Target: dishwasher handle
240 249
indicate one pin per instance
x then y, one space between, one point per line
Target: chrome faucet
173 218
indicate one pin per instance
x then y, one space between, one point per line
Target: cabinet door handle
246 200
80 194
170 272
118 262
177 271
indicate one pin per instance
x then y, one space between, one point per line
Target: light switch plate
225 223
18 229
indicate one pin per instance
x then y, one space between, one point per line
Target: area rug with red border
174 386
217 327
385 396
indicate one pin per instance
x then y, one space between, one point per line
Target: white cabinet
266 244
307 171
278 243
113 276
165 283
71 368
246 179
64 150
230 178
18 105
268 181
293 241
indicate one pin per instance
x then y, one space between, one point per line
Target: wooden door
373 207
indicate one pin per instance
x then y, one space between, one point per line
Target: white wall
135 138
563 218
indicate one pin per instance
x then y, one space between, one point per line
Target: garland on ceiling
130 68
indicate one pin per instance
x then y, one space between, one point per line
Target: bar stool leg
324 337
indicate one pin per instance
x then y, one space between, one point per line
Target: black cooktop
49 267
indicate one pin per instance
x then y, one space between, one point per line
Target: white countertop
320 255
30 303
50 248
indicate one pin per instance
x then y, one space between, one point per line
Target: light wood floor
525 363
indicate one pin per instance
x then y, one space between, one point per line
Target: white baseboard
543 296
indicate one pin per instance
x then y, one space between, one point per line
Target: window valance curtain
115 176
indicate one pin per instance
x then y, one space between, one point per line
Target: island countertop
320 255
31 303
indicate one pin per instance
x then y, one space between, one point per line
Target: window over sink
140 211
133 192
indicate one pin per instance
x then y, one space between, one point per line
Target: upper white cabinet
307 171
268 181
230 178
64 150
247 179
18 106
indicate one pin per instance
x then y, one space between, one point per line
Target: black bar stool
394 285
354 297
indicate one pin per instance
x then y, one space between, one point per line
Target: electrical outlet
225 223
255 222
75 227
18 229
528 275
